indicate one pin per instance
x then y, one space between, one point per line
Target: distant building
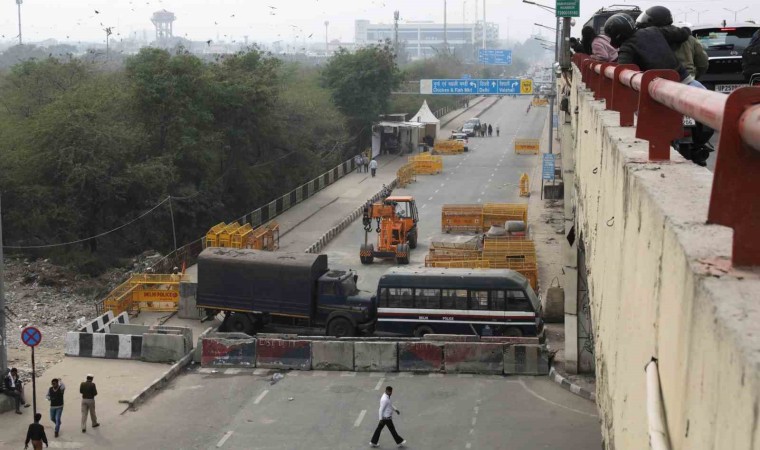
423 39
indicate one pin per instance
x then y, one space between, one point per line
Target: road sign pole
34 385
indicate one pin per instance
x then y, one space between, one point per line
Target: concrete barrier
102 345
163 347
451 338
185 332
96 325
420 357
332 355
525 360
187 295
228 350
122 318
466 357
511 340
6 403
283 354
129 328
376 356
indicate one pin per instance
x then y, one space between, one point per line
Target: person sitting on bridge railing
647 47
598 45
751 57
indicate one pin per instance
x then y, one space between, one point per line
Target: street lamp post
554 80
699 13
735 11
18 3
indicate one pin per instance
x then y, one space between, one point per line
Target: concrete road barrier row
236 350
97 324
333 232
127 341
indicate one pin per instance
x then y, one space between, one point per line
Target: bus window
400 298
427 298
518 301
454 299
478 299
383 300
497 301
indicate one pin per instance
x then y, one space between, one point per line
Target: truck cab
341 307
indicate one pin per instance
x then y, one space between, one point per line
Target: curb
567 385
161 381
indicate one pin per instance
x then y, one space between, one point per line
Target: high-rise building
424 39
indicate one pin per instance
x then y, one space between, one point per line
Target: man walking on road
373 166
386 419
88 391
490 130
365 163
36 434
497 131
55 395
358 162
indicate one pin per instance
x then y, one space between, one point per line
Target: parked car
724 45
468 129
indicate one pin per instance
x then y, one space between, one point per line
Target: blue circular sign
31 336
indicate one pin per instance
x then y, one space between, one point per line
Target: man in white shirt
386 419
373 166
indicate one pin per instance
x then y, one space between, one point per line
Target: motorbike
695 145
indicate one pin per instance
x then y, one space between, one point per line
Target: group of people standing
13 387
486 130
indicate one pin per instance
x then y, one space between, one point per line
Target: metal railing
660 102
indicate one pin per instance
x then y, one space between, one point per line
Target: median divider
433 353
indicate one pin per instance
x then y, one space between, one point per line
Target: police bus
457 301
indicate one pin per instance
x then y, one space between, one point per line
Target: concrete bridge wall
661 285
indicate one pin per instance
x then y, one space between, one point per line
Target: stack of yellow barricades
426 164
405 175
518 255
234 235
498 213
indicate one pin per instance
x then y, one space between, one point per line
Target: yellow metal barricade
426 164
460 264
224 238
527 146
499 213
451 147
524 185
405 175
145 292
241 235
265 237
461 218
211 239
540 101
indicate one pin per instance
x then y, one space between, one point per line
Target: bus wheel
340 327
240 322
513 332
422 330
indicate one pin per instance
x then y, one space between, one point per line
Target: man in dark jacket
36 434
88 391
751 57
55 395
648 48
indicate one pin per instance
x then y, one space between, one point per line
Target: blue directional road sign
547 171
476 86
495 57
31 336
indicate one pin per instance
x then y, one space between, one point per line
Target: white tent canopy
425 116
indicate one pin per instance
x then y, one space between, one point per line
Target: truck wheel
366 253
422 330
240 323
402 254
413 239
513 332
340 327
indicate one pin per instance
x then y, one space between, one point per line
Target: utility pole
327 42
484 24
108 39
735 11
396 16
3 339
445 36
18 3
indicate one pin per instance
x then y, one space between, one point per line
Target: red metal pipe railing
661 101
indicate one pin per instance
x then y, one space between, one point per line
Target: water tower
163 20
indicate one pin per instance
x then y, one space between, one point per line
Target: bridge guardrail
660 101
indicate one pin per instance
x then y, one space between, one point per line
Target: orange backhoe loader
396 226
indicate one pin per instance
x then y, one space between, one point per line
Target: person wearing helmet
598 45
645 47
686 47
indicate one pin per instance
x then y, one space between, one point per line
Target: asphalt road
242 409
489 172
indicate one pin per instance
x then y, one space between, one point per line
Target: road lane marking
319 373
430 198
359 419
472 430
424 205
483 193
348 374
535 394
443 184
261 397
379 383
436 191
260 371
435 375
224 438
232 371
478 200
468 445
477 409
474 421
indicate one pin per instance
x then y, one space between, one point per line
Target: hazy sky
204 19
